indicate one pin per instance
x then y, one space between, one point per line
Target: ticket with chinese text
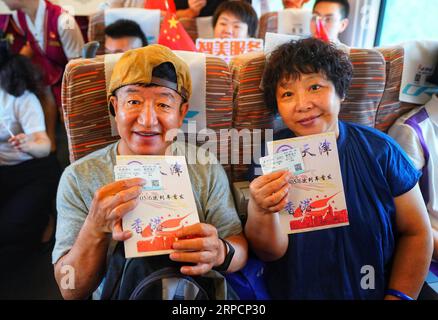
149 172
290 160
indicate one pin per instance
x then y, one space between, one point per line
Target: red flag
173 35
321 33
163 5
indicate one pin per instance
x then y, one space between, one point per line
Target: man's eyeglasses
325 19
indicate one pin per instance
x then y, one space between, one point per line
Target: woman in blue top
386 250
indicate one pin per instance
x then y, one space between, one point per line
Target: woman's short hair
17 73
306 56
243 10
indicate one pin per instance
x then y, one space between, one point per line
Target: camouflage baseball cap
136 67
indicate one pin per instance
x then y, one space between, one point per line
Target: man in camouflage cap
148 95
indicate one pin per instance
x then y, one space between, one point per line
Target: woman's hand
21 142
268 196
197 5
36 144
268 193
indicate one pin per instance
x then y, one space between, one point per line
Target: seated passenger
28 175
235 19
294 4
49 36
388 243
124 35
416 132
334 18
148 93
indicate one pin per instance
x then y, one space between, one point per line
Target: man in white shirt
334 17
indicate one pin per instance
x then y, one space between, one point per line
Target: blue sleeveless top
351 262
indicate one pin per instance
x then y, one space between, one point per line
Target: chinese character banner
228 48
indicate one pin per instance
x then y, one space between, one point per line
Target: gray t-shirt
82 178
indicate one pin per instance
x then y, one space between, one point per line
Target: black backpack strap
168 272
114 273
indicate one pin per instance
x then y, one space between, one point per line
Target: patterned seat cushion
268 23
96 30
390 108
191 27
366 90
250 111
85 107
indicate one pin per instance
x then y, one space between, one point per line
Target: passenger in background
294 4
235 19
51 37
417 133
124 35
388 233
334 17
28 174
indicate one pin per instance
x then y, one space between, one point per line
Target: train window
404 20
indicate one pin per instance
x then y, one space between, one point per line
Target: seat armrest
241 198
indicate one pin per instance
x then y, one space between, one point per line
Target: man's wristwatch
228 257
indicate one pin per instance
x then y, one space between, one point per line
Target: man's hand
110 204
203 248
197 5
269 192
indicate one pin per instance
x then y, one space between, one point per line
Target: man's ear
113 102
183 109
344 25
